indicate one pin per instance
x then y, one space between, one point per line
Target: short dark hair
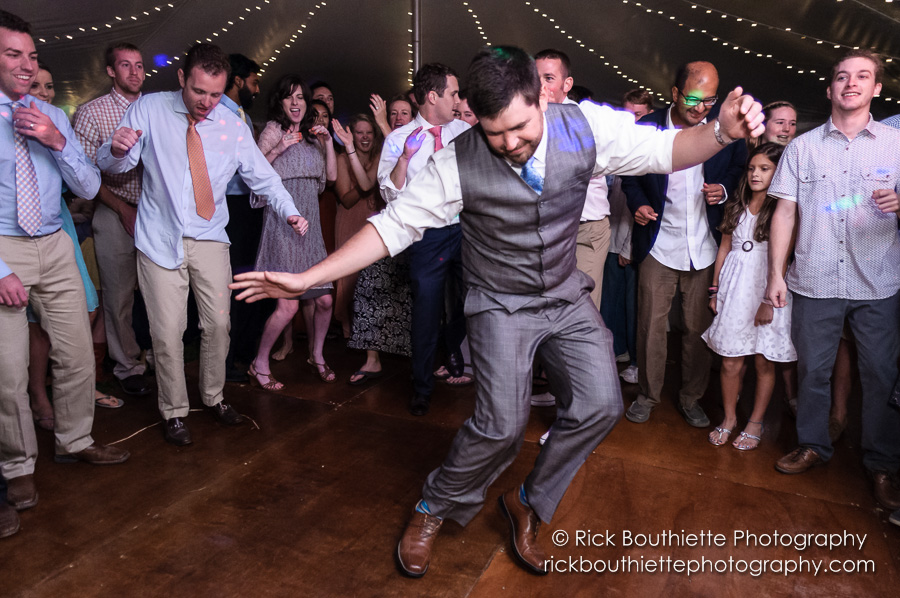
431 77
42 66
319 84
860 53
559 55
283 89
638 97
113 48
241 67
210 58
498 74
14 23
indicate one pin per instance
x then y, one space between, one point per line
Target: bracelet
713 288
353 152
720 139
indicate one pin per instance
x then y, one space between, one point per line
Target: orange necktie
436 131
203 195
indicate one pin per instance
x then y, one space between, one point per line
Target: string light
294 36
478 26
606 61
409 71
88 30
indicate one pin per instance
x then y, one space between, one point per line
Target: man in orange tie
190 146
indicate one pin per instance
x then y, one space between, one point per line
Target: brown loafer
414 549
887 492
96 454
799 460
524 524
9 520
21 493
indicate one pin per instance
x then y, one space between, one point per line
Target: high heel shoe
255 376
326 373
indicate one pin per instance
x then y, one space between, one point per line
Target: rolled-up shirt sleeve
136 119
390 153
624 147
431 200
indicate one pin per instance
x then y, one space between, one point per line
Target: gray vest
516 242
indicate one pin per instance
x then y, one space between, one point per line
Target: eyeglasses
691 101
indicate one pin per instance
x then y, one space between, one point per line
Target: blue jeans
618 305
816 329
434 261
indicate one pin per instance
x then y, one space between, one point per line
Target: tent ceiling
361 47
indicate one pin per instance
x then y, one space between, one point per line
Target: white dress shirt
685 240
167 212
596 201
434 198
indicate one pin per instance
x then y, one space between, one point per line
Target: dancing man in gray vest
518 181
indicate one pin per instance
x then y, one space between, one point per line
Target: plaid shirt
846 247
95 122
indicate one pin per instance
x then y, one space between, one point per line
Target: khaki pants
116 259
657 285
591 248
46 267
207 270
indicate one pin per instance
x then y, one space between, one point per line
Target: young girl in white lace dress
746 323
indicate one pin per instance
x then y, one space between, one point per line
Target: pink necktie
28 194
436 131
203 195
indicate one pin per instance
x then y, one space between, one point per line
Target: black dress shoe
227 414
136 385
456 365
176 432
419 404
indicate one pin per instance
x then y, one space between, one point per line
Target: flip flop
366 376
108 402
441 373
467 380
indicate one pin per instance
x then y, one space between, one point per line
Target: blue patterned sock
522 497
422 507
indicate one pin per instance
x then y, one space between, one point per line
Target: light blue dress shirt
52 168
167 212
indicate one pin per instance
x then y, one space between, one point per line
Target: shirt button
842 261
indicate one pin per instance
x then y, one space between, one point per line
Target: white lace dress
742 284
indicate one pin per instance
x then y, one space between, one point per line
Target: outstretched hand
413 143
741 116
267 285
343 134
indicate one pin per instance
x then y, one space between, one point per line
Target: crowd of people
513 234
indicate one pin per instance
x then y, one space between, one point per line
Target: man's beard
246 98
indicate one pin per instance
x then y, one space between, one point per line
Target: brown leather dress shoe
524 524
887 491
799 460
96 454
9 520
414 549
21 493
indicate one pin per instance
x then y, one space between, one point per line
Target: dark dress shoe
419 404
21 493
227 414
456 365
524 524
96 454
887 491
799 460
9 520
414 549
136 385
175 432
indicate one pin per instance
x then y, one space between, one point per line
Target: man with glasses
675 240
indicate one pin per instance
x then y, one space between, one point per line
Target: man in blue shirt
38 151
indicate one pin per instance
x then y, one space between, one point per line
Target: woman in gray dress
302 153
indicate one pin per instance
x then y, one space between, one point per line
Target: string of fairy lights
294 36
608 62
107 25
478 26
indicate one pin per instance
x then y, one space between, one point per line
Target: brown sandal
327 375
272 383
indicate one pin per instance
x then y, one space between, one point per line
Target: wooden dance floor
310 498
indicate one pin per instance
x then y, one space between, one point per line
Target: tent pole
416 34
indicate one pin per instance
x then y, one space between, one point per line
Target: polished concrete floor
309 499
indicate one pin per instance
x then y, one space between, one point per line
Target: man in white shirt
520 174
435 260
190 146
675 240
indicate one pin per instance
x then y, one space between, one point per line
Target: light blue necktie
531 177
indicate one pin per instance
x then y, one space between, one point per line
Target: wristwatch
720 139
